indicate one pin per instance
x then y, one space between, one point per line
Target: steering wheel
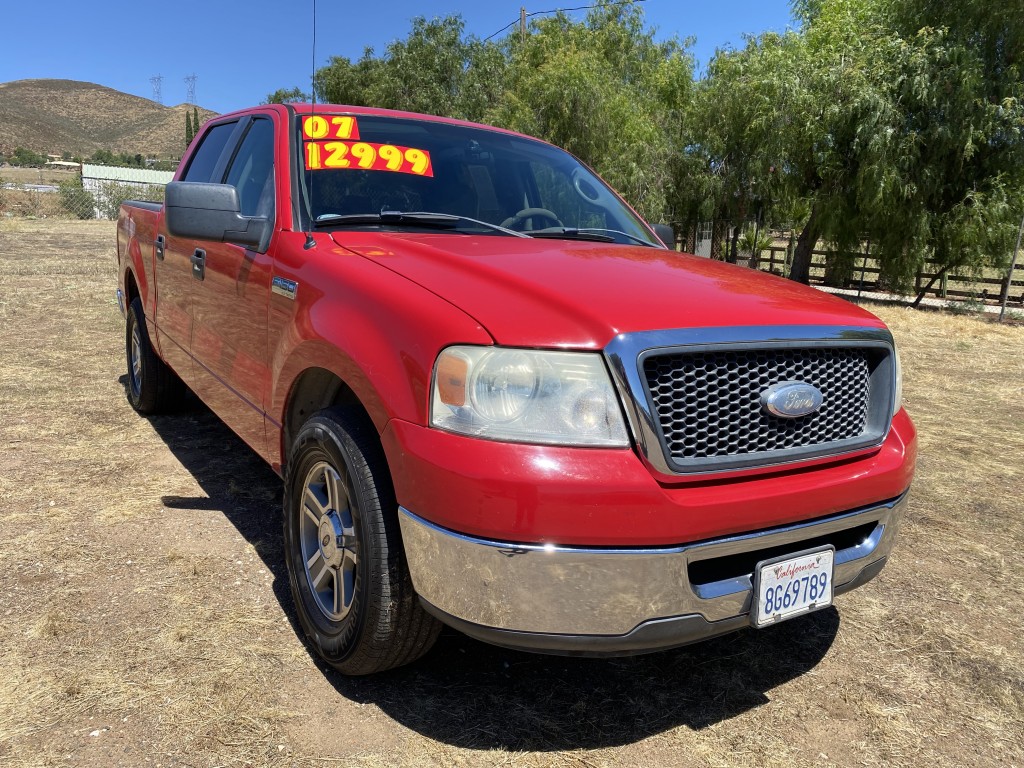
512 222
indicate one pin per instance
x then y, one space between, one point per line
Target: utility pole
522 24
157 81
190 88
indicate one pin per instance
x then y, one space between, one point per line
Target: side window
204 161
252 170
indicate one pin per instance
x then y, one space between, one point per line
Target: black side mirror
666 234
200 211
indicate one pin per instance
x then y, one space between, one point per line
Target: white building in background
93 175
97 178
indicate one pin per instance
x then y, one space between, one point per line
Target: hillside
59 116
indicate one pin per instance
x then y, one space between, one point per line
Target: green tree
103 157
195 121
894 120
27 157
742 134
435 70
790 123
609 93
951 182
603 88
189 130
286 96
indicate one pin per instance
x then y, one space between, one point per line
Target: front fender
375 330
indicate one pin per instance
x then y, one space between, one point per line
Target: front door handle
199 264
161 242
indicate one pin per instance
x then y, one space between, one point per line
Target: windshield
356 168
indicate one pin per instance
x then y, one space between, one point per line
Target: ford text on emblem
791 399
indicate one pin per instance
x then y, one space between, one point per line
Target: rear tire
152 386
349 578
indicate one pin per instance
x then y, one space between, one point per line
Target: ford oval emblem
791 399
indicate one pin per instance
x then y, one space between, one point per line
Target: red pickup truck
498 401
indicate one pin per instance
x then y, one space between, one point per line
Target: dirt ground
146 617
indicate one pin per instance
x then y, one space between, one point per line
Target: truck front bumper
600 600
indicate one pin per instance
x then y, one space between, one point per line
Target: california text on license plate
790 585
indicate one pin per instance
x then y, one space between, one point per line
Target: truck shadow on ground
472 695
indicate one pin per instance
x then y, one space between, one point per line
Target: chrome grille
707 403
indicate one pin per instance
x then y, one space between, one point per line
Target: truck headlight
527 396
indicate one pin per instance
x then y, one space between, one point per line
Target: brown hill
57 116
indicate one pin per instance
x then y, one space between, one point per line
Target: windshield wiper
571 234
408 218
588 233
634 238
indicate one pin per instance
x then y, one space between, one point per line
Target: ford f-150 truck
498 401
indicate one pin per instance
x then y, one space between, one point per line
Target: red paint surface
573 496
376 308
556 293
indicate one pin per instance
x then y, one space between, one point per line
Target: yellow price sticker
324 155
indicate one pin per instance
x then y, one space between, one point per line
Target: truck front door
230 298
174 261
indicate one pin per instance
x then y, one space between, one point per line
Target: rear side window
252 170
204 161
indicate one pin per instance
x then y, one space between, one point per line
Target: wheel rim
135 359
327 536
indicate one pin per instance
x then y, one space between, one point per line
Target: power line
561 10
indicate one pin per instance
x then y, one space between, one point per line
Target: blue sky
241 51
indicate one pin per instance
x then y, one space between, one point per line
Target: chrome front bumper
582 600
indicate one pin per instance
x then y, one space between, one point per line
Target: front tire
349 579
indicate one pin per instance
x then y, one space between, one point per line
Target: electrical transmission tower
190 88
157 81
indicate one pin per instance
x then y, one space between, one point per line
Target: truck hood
574 294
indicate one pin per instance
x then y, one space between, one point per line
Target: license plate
792 585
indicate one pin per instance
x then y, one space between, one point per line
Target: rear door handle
160 243
198 264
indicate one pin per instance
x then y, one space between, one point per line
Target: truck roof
308 109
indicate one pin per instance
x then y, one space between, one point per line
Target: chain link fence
93 192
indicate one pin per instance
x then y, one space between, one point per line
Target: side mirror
666 234
200 211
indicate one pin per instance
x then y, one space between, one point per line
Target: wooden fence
986 289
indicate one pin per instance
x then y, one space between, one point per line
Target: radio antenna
310 242
312 69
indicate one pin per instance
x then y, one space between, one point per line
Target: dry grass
10 173
146 617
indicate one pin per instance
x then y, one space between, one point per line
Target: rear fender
136 230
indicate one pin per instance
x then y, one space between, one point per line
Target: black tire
350 582
152 386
